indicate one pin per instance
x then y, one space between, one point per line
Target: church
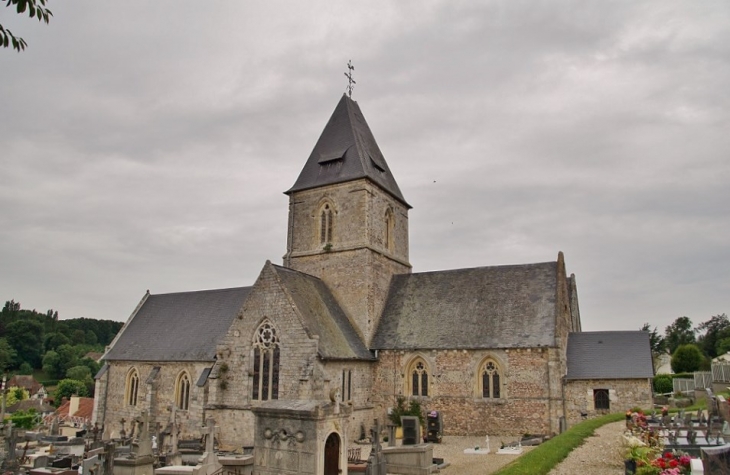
343 327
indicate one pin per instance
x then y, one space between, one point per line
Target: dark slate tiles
609 355
483 307
183 326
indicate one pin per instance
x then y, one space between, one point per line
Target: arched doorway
332 455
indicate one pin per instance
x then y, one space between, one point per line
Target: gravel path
600 454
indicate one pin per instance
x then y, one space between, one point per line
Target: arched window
490 380
265 363
418 375
132 387
182 391
389 229
601 399
326 222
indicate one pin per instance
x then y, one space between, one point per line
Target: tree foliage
8 354
30 335
714 330
687 358
35 9
67 388
680 332
15 394
657 343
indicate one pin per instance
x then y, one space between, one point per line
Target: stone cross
209 443
144 443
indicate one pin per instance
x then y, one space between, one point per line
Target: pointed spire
347 151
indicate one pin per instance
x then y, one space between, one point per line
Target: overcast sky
146 145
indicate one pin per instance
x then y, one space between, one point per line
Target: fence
703 379
721 372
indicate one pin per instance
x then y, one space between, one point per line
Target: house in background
29 383
608 371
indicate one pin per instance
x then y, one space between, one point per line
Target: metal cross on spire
348 75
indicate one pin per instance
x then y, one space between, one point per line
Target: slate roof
484 307
609 355
346 151
183 326
323 316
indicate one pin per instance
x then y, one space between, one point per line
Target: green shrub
663 383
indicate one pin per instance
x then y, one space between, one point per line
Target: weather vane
348 75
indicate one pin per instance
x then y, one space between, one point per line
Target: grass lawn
542 459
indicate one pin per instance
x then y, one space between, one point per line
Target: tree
16 394
52 365
83 374
36 9
687 359
67 388
7 355
715 329
657 343
679 333
26 336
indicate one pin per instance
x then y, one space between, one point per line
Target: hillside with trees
31 341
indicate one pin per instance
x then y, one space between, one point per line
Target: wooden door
332 455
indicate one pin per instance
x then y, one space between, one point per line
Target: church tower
348 221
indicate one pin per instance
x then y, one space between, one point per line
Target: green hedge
543 458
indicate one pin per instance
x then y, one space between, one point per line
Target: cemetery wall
623 395
529 401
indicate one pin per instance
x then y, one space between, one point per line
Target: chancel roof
609 355
323 316
346 151
184 326
483 307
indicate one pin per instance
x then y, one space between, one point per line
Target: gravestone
716 460
411 430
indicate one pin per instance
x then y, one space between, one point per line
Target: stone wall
525 405
623 395
302 374
156 398
359 264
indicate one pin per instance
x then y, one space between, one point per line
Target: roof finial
351 82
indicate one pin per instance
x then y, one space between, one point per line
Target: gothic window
132 387
490 380
389 230
326 221
182 391
600 399
418 378
265 363
346 385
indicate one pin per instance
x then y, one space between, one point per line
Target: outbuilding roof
346 151
609 355
184 326
484 307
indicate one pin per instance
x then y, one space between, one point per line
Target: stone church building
343 327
